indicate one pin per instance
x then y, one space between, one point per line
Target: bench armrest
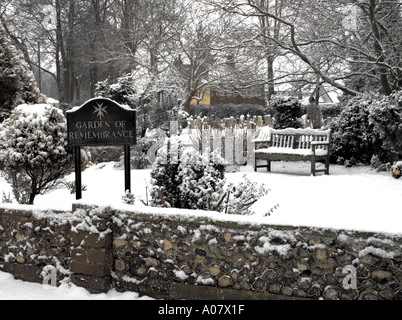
260 141
320 143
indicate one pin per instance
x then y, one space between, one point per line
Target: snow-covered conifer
184 178
33 150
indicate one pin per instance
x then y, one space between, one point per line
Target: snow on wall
142 252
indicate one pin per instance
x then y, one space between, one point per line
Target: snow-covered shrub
397 170
286 111
164 173
355 139
128 198
122 91
243 196
378 165
202 180
184 178
370 125
192 180
386 116
33 150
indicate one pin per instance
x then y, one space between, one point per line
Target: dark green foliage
286 111
183 178
354 138
122 91
369 125
33 151
386 115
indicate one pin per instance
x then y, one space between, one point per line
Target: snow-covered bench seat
294 145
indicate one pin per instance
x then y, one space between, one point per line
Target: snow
291 151
356 198
75 109
28 109
377 252
11 289
305 132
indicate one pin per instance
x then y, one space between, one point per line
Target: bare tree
315 33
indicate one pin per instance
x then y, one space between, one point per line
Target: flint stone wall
31 240
189 255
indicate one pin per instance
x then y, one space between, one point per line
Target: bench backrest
298 138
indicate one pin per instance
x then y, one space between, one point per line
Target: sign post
101 122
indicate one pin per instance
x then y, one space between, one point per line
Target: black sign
101 122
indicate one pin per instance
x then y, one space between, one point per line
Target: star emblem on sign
100 110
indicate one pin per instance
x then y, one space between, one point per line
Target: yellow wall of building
206 98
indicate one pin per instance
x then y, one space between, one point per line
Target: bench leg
327 166
269 165
313 166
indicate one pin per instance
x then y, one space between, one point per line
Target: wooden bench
293 145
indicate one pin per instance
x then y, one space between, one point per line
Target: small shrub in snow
71 186
202 179
195 181
184 178
243 196
6 198
33 150
286 111
128 198
378 165
397 170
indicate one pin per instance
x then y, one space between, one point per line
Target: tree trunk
271 77
378 49
187 103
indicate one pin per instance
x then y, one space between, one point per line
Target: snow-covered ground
11 289
355 198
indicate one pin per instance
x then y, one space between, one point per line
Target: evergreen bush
386 116
286 111
195 181
33 150
184 178
370 125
